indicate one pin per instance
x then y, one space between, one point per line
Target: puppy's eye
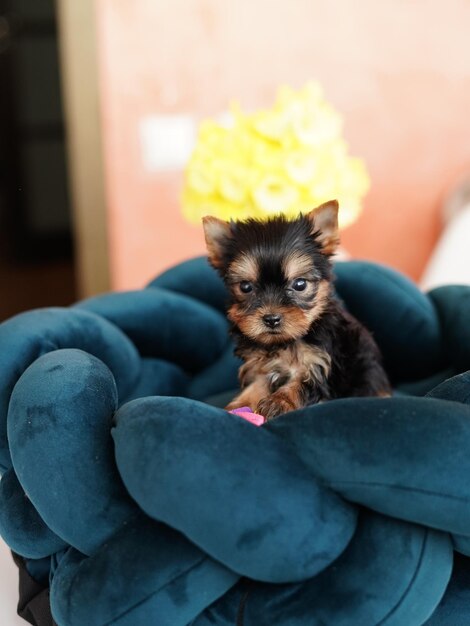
299 284
246 286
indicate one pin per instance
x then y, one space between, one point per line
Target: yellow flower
300 166
286 159
233 183
271 124
274 194
200 178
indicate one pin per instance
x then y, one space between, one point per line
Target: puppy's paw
235 404
384 394
272 407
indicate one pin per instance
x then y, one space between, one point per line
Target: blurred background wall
398 71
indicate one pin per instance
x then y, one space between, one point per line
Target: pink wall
398 71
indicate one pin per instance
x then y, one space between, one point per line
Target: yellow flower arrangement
287 159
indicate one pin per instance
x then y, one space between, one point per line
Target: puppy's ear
324 220
218 234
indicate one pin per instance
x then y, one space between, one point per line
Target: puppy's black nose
272 320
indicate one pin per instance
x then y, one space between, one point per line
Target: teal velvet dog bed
133 500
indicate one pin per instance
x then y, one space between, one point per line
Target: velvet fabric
20 523
358 448
404 321
64 403
392 573
27 336
309 525
454 608
146 574
144 504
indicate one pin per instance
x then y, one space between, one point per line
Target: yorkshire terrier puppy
299 345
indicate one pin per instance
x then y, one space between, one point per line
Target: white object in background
8 589
167 141
342 254
450 261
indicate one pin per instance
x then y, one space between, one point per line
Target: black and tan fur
312 349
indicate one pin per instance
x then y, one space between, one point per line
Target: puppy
298 344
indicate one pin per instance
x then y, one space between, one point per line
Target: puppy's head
278 272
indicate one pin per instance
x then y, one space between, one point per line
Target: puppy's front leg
289 397
251 395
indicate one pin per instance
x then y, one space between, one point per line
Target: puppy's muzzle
272 320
